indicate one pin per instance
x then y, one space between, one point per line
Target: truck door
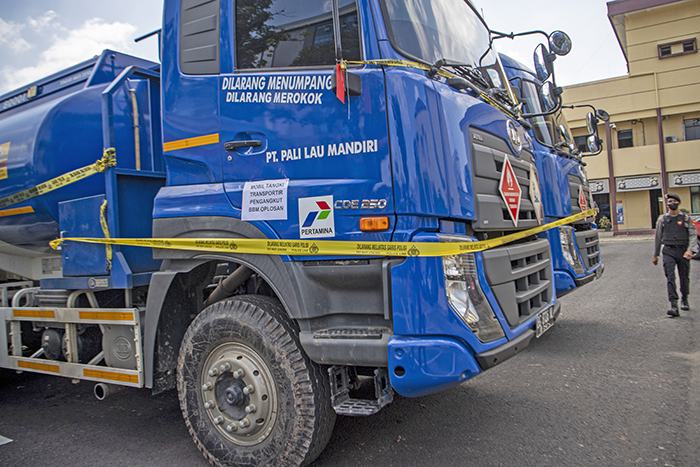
295 158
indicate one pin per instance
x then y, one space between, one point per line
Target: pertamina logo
316 217
510 190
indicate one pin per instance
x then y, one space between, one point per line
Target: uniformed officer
680 240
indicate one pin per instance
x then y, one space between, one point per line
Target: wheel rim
239 394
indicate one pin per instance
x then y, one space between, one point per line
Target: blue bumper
425 365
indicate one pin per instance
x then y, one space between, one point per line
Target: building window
581 143
695 199
673 49
691 129
624 139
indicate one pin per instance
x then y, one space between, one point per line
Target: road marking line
4 440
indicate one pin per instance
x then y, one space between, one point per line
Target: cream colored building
652 141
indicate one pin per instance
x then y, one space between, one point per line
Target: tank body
52 127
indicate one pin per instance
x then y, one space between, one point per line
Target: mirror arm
541 114
513 35
589 154
579 106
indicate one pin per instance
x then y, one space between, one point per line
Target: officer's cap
673 196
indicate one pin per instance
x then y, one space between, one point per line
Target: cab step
343 404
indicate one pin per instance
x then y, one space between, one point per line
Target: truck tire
249 394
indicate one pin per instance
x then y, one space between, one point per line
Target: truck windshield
430 30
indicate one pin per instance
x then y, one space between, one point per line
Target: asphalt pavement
614 382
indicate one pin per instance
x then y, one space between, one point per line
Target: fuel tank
54 126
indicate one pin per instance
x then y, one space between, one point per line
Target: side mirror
591 123
594 144
602 115
559 43
543 66
565 134
548 96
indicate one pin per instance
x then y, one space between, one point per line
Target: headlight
467 299
568 248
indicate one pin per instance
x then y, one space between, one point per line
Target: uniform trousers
673 259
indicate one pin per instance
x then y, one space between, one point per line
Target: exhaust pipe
102 390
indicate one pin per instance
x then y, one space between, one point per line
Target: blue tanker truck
575 247
385 128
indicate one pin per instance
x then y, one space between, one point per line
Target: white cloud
78 45
9 35
45 21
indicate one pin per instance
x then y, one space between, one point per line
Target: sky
40 37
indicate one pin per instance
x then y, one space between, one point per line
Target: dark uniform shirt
675 231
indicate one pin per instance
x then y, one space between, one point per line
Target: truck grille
487 162
520 277
588 245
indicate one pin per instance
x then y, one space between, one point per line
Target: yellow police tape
108 160
105 231
325 247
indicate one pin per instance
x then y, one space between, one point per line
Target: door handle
235 145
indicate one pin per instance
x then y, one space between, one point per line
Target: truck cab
419 137
575 247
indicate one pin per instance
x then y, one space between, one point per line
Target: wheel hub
239 393
234 395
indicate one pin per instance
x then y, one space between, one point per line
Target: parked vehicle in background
695 218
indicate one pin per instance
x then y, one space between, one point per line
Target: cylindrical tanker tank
47 129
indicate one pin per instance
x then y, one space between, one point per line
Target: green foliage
253 35
604 223
324 54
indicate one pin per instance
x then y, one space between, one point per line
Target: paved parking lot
614 382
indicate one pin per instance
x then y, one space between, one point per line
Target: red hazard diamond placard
583 204
510 190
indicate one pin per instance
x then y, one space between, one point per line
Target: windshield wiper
463 70
468 77
502 94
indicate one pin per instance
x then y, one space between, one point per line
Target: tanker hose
228 286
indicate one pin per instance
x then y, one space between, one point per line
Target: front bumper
425 365
565 281
590 277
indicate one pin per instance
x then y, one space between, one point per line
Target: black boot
684 304
673 311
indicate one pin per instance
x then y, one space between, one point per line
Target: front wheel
248 392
